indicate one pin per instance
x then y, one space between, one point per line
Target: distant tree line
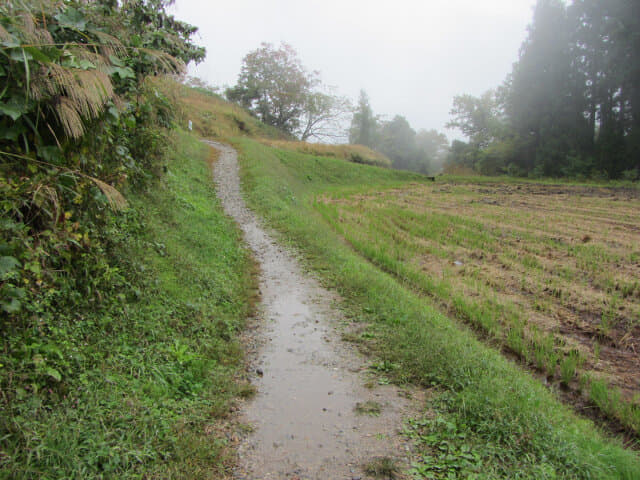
422 151
571 105
275 87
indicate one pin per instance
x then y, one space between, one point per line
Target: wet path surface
305 424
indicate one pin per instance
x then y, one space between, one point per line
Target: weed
369 407
568 366
610 314
599 394
385 468
516 340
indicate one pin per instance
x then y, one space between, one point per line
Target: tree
363 124
606 49
397 140
434 146
545 103
323 116
479 118
274 86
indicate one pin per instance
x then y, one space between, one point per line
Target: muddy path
313 417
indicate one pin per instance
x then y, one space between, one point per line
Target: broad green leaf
12 306
116 61
86 64
124 73
13 132
20 55
7 265
9 44
14 108
113 111
72 18
53 373
37 54
50 153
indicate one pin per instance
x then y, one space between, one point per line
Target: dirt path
305 417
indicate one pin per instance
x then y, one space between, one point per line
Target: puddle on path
305 425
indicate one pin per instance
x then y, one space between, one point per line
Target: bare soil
307 420
566 256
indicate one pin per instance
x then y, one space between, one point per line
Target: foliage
137 383
66 73
323 116
571 105
81 123
363 124
274 85
478 118
449 448
434 146
420 152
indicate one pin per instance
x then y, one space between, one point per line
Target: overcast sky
410 56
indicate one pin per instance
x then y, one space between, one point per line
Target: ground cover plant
137 386
122 284
489 399
550 271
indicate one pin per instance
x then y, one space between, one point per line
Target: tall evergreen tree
364 124
545 102
607 52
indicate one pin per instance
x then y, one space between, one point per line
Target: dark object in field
433 179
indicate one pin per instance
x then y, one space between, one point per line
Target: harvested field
549 272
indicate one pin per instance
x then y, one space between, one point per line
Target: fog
411 57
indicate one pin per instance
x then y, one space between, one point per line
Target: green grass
491 400
148 378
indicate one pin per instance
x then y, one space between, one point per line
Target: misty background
411 57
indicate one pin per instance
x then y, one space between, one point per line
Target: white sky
410 56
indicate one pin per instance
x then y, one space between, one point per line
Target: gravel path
304 417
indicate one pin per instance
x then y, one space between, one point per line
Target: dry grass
552 272
351 153
211 115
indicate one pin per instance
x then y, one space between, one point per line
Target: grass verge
141 383
490 400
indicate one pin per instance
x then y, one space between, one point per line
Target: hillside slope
140 385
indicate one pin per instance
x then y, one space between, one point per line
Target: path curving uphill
305 416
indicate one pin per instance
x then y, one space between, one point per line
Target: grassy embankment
490 418
141 386
214 117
